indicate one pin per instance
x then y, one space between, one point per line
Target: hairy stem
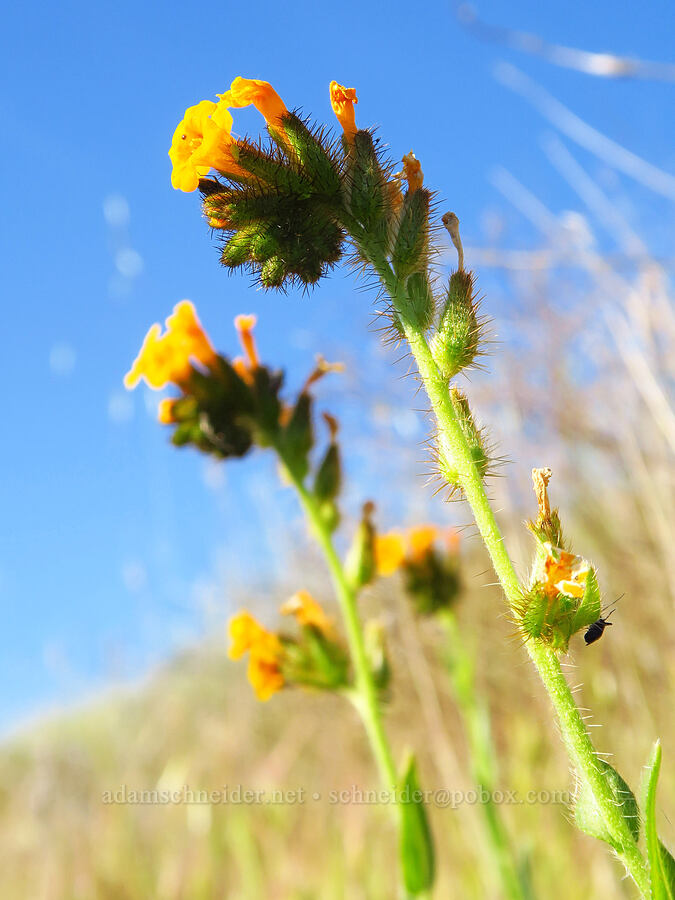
453 446
365 696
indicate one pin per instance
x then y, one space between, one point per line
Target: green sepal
374 636
410 251
314 660
419 302
360 561
237 249
590 607
589 818
432 582
661 863
416 844
297 436
474 438
455 344
319 165
272 169
548 529
267 406
273 272
367 195
328 478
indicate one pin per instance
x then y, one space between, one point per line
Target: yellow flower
200 144
244 631
265 676
245 325
165 358
264 649
412 171
306 611
421 539
165 411
389 553
247 91
565 573
342 100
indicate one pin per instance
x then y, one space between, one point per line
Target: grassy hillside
194 726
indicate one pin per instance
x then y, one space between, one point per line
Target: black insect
595 631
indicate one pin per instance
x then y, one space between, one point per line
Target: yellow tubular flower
165 358
306 611
342 100
421 539
389 553
265 676
565 573
247 91
412 171
245 325
200 144
244 631
186 332
265 650
165 411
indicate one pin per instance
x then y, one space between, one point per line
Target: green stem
453 446
365 697
460 663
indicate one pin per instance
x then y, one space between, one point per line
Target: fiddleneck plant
225 408
287 211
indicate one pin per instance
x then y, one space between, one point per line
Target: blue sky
113 544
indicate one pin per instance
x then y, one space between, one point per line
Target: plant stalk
454 448
364 696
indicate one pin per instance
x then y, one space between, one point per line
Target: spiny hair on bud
410 250
316 152
371 197
282 222
458 340
443 473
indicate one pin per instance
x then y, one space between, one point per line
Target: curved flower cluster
313 660
395 548
431 577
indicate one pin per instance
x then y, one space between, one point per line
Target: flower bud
298 436
360 563
368 197
455 343
410 252
376 650
473 435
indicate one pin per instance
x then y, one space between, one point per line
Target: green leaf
590 819
416 845
661 863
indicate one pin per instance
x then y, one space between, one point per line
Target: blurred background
549 130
